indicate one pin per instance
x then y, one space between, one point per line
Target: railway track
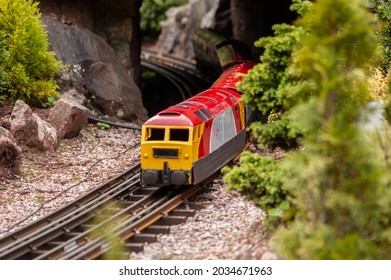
119 211
20 242
115 211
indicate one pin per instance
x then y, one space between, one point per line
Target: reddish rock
10 152
75 95
68 117
30 130
6 133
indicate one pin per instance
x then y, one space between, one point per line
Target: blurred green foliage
28 68
271 89
383 11
337 181
105 230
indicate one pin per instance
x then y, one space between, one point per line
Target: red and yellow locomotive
188 142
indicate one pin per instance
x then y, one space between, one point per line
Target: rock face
76 96
181 23
96 71
30 130
112 91
5 133
101 37
244 20
10 152
116 21
68 117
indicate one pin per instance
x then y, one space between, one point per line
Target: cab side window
196 133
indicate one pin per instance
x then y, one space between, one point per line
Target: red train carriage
188 142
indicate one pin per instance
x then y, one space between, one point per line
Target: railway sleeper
170 220
70 235
134 247
194 205
148 190
156 229
183 212
134 198
144 237
32 255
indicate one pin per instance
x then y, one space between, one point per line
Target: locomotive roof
205 105
229 78
196 109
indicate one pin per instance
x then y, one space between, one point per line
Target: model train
188 142
215 53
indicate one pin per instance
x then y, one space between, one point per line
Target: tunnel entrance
160 91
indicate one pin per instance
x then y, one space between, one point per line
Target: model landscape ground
227 227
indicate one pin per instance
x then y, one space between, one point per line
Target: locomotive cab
168 153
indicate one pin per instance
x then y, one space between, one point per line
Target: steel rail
45 235
172 62
127 229
100 239
83 238
68 208
25 237
191 78
183 88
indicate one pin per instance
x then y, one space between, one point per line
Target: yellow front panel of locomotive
157 149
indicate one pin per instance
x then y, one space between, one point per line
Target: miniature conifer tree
272 89
337 179
29 68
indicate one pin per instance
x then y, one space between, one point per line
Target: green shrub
383 10
30 68
260 179
340 180
272 89
277 132
337 185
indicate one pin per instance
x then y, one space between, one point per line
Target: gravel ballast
226 227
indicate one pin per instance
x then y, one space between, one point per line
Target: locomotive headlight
186 156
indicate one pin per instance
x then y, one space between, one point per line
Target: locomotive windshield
179 134
155 134
175 134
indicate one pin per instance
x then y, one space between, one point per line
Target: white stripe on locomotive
223 129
